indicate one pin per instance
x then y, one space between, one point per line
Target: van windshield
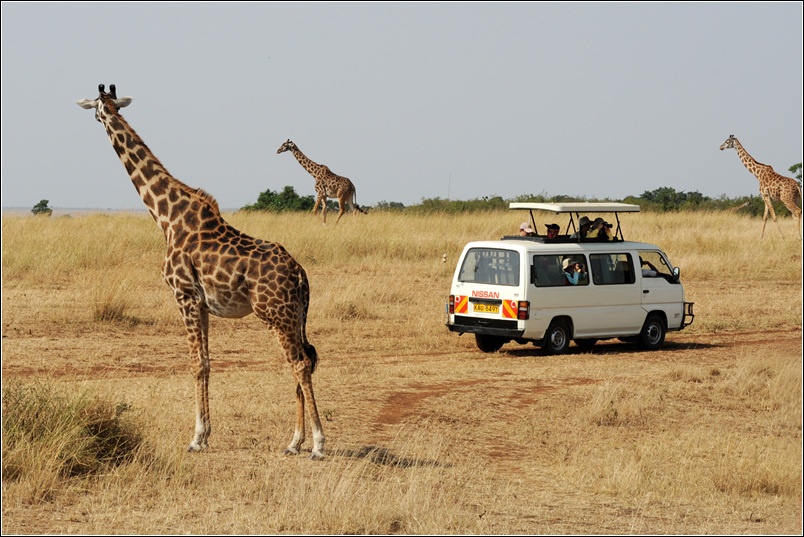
490 265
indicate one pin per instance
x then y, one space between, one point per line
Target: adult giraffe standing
327 183
215 269
772 186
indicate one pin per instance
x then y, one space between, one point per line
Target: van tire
489 343
653 331
557 338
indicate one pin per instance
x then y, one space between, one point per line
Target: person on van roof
552 231
600 230
525 230
572 271
583 228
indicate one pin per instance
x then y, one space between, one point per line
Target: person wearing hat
605 232
583 228
525 230
552 231
573 271
600 230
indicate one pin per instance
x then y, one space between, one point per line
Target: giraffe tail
356 206
309 349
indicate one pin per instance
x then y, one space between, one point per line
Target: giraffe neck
166 198
750 163
313 168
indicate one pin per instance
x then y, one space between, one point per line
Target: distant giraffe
215 269
772 186
327 184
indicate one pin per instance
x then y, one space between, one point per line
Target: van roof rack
574 209
577 207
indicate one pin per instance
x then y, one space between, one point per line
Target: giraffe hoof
289 451
316 456
195 446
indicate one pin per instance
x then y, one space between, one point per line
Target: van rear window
490 265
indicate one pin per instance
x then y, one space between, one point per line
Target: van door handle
645 291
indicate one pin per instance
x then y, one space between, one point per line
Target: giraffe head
106 102
729 143
287 146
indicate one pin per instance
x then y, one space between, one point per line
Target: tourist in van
605 233
600 230
525 230
573 271
583 228
594 229
552 231
650 271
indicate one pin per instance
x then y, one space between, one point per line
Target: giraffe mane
203 195
209 198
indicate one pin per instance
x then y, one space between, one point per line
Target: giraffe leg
769 207
298 433
304 375
302 366
317 204
196 322
341 209
797 213
324 209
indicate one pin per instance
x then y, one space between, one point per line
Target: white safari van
516 288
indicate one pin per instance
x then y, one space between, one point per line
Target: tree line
664 199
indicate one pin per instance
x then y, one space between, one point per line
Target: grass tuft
48 436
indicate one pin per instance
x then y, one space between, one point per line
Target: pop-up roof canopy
577 209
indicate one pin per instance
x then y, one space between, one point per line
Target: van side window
655 265
612 269
548 270
490 265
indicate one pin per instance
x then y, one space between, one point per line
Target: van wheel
653 331
489 343
557 338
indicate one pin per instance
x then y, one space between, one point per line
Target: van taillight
451 304
523 310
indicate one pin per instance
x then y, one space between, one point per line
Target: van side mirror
676 273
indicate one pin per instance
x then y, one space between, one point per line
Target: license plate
486 308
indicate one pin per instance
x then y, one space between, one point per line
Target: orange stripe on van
509 309
461 304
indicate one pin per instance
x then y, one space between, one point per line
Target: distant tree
389 206
668 199
287 200
41 208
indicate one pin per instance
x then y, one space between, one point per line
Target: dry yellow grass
425 434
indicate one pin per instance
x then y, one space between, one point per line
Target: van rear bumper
491 327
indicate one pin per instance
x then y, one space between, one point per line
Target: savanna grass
426 434
49 436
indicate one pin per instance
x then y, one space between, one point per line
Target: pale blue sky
409 100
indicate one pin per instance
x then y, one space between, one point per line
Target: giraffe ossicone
772 186
327 184
213 268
